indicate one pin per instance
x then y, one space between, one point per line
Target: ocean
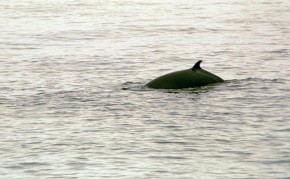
73 100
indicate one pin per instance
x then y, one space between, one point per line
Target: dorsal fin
197 65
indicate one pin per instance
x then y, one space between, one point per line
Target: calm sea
73 102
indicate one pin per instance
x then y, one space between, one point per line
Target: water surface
73 102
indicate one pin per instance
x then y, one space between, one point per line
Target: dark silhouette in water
194 77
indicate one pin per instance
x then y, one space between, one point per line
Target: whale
189 78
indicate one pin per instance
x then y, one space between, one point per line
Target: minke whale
193 77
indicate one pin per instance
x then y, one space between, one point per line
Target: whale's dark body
189 78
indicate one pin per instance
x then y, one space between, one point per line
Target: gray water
73 102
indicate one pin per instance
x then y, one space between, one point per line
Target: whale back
193 77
